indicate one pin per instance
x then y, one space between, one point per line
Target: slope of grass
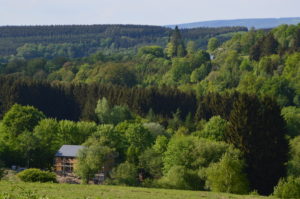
66 191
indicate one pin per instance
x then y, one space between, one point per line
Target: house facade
65 158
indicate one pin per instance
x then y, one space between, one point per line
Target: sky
152 12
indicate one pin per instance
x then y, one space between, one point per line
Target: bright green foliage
180 69
125 174
191 47
292 68
103 111
107 135
246 65
111 115
200 73
10 190
36 175
16 132
161 144
138 138
92 158
156 51
279 88
291 116
294 161
288 188
49 141
227 175
192 152
151 161
75 133
213 44
21 118
179 152
179 177
214 129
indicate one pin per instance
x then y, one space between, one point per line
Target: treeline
78 101
89 38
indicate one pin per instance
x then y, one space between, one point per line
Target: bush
180 177
125 174
289 188
36 175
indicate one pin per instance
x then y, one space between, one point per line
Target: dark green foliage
2 171
176 47
82 40
36 175
119 75
258 130
79 100
266 46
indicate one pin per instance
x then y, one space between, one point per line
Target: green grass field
66 191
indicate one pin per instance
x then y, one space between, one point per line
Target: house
65 158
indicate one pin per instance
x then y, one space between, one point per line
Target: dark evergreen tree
255 52
269 45
258 130
176 47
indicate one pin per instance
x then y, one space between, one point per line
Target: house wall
64 164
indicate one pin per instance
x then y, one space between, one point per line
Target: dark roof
68 151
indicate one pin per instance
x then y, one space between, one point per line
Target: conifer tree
175 47
257 129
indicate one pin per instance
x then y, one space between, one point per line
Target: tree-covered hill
176 116
82 40
250 23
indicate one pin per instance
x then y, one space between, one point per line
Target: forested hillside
225 119
82 40
257 23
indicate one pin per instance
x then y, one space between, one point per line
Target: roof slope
68 151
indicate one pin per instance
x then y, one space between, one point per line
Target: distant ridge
249 23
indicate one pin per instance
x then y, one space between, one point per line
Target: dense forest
225 118
82 40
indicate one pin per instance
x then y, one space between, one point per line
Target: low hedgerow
37 175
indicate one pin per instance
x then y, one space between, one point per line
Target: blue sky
156 12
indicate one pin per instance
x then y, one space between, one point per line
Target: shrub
125 174
36 175
288 188
180 177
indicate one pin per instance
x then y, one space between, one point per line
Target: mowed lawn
66 191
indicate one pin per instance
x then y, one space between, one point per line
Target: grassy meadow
18 190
